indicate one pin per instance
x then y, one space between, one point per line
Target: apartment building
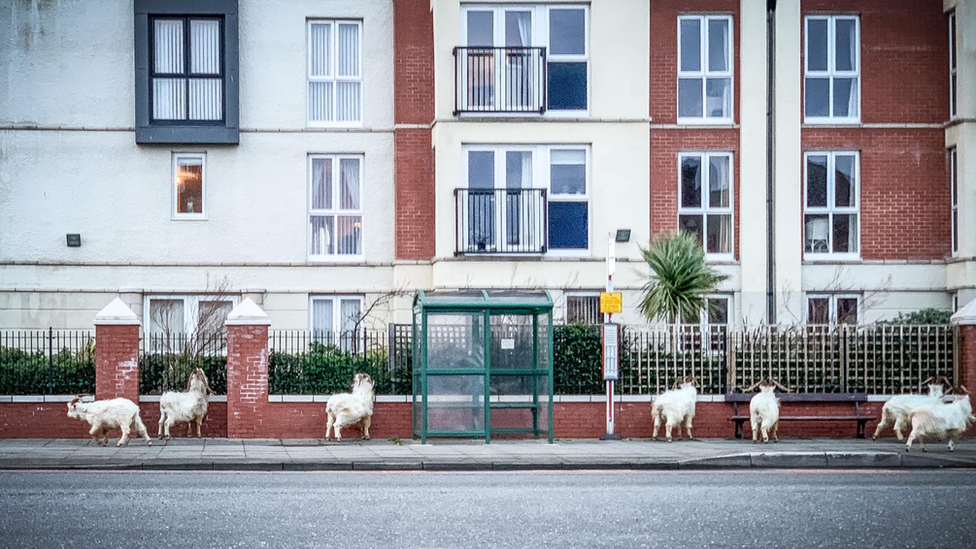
322 157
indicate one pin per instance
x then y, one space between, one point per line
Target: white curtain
322 324
320 56
169 94
718 196
349 196
349 228
349 312
206 97
321 183
348 94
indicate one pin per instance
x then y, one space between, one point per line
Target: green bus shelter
482 363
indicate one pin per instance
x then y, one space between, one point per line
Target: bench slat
802 397
814 418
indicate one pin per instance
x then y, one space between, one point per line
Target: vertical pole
50 361
608 318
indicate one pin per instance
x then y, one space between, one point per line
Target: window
833 67
952 64
513 30
954 184
188 323
705 207
335 214
833 309
511 190
186 67
583 308
955 302
335 79
333 320
188 186
704 69
830 223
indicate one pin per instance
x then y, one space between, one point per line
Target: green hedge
168 372
327 369
28 373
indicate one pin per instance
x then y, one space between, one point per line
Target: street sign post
610 303
610 365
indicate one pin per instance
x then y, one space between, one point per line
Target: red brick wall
666 143
904 79
247 380
413 38
214 422
40 420
117 362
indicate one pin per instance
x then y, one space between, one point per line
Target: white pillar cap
248 313
116 313
965 316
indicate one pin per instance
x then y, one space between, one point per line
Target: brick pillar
117 352
965 325
247 370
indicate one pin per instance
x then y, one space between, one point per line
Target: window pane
320 101
845 42
567 32
322 319
844 187
320 237
845 233
349 231
817 44
569 175
719 234
481 170
320 48
816 181
567 86
213 315
168 46
321 183
206 99
817 101
691 182
582 309
690 44
169 98
349 311
691 224
818 310
718 98
845 97
166 316
719 190
718 310
718 45
518 28
847 310
205 46
518 170
690 97
348 50
189 185
349 188
816 231
568 225
955 231
481 28
347 101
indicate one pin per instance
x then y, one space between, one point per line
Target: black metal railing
499 80
500 221
47 362
167 359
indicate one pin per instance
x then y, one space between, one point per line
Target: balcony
500 221
499 80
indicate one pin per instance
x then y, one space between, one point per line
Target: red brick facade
247 380
413 38
117 362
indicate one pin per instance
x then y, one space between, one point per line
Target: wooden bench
828 398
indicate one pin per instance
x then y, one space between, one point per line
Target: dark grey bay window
186 71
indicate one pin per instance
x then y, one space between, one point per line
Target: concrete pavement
274 454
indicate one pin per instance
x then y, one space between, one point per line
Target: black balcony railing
499 80
500 221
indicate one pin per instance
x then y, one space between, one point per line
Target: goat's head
936 385
362 382
74 411
767 385
961 393
198 382
688 381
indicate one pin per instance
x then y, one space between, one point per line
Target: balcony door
499 68
505 214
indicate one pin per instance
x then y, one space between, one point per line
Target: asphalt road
530 509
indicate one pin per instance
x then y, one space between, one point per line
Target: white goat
105 415
190 406
675 407
347 409
764 410
941 421
898 409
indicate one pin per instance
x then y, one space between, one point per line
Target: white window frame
954 198
540 38
335 212
583 294
334 77
953 66
833 306
829 210
175 215
191 307
703 315
705 209
541 161
704 74
831 73
336 311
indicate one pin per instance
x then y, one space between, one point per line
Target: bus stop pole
608 325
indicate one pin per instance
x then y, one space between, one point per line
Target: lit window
833 309
705 69
335 217
705 200
335 80
189 186
833 67
830 223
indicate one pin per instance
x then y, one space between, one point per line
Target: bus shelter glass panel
456 404
455 341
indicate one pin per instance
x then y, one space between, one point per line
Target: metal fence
167 359
303 362
47 362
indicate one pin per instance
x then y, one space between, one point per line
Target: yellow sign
611 302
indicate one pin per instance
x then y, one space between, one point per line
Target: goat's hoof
148 443
775 440
669 440
365 438
924 450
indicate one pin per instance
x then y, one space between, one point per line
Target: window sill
189 218
839 122
187 135
334 125
718 122
831 258
338 260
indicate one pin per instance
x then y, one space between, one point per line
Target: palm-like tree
681 278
